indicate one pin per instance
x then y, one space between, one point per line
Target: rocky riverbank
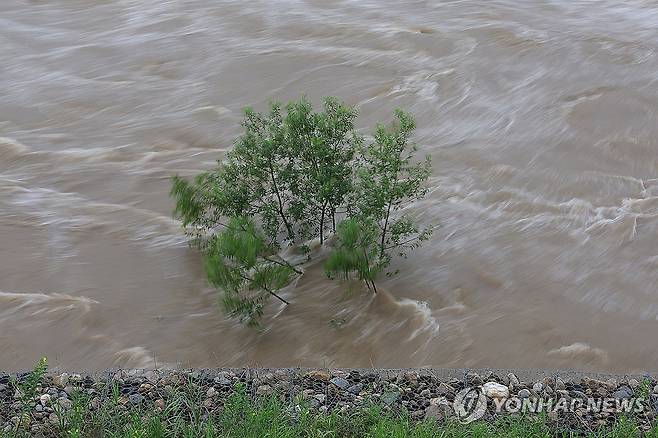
36 402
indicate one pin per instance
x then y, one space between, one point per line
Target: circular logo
470 404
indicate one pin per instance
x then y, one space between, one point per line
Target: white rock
264 390
495 390
559 384
61 381
45 399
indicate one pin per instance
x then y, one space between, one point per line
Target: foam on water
40 304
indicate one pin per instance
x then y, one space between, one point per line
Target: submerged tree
387 180
240 262
293 176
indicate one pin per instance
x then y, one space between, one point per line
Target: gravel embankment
422 393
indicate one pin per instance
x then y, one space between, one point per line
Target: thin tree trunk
365 256
322 226
333 219
278 197
383 239
324 208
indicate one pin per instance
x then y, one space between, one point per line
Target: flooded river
541 117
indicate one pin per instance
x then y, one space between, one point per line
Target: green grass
184 416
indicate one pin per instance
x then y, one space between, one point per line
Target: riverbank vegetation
294 178
158 405
268 417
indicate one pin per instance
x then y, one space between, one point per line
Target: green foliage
244 266
27 390
356 251
293 176
289 172
387 181
323 145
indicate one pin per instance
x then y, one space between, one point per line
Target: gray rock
655 389
425 393
222 380
390 397
633 383
340 382
473 378
538 387
355 389
152 377
320 397
407 376
136 399
211 392
513 380
418 415
95 403
623 392
524 393
612 384
439 411
445 389
579 394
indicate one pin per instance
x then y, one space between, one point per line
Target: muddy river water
541 117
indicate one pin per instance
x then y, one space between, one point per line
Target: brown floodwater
541 117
